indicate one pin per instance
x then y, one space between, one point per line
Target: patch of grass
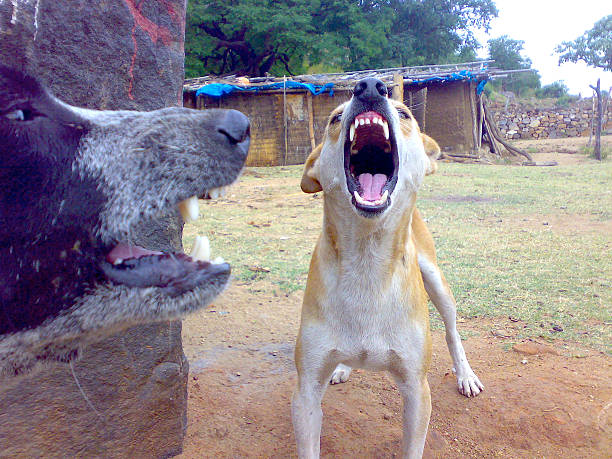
528 242
503 257
590 151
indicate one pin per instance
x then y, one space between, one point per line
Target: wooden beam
397 92
310 119
471 94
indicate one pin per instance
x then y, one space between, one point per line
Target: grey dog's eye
21 114
17 115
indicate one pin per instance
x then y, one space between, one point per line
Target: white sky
544 24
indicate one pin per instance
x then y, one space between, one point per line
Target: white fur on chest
370 320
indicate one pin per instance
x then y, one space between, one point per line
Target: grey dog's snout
235 126
370 90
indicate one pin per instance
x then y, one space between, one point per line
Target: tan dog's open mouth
370 162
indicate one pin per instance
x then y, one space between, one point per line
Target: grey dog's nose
235 126
370 90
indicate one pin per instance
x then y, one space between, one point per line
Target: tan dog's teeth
383 198
352 132
378 202
201 249
386 129
189 209
358 198
367 121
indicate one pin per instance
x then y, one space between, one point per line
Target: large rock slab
127 397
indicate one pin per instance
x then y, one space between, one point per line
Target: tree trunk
597 148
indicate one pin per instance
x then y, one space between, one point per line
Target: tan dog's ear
310 181
432 150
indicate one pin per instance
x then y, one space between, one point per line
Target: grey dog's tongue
372 186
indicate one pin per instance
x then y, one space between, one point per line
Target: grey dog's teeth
216 193
190 209
201 249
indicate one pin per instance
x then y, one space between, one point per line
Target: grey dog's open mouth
173 273
370 162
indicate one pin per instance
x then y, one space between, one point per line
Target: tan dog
365 302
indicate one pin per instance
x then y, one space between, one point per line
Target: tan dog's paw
341 374
468 383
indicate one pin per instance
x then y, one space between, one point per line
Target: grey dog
74 185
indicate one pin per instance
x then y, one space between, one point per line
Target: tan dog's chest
370 301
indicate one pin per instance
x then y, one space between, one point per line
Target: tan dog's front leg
441 296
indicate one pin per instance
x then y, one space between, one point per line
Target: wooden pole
285 116
310 120
597 147
593 108
398 90
474 120
479 121
494 132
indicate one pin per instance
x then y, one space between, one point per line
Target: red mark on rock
156 32
131 70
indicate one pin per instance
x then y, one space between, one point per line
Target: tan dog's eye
403 114
336 119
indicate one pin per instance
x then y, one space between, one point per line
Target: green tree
507 55
553 90
593 47
437 31
245 36
254 37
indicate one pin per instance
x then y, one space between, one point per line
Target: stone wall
523 122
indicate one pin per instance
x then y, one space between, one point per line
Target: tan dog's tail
432 149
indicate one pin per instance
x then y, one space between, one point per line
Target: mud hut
288 116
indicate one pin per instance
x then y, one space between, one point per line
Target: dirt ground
541 399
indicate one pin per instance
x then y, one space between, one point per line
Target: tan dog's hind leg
341 374
415 414
442 297
314 368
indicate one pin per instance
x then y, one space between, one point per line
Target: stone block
115 54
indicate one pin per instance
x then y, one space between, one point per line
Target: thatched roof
474 71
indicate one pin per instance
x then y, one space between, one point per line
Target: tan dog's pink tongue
371 186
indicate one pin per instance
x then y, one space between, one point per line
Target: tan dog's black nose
370 90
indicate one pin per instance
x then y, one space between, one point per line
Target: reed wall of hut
449 118
284 126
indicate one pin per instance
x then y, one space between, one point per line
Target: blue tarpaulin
458 76
222 89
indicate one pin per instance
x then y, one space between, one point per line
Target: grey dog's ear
310 177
